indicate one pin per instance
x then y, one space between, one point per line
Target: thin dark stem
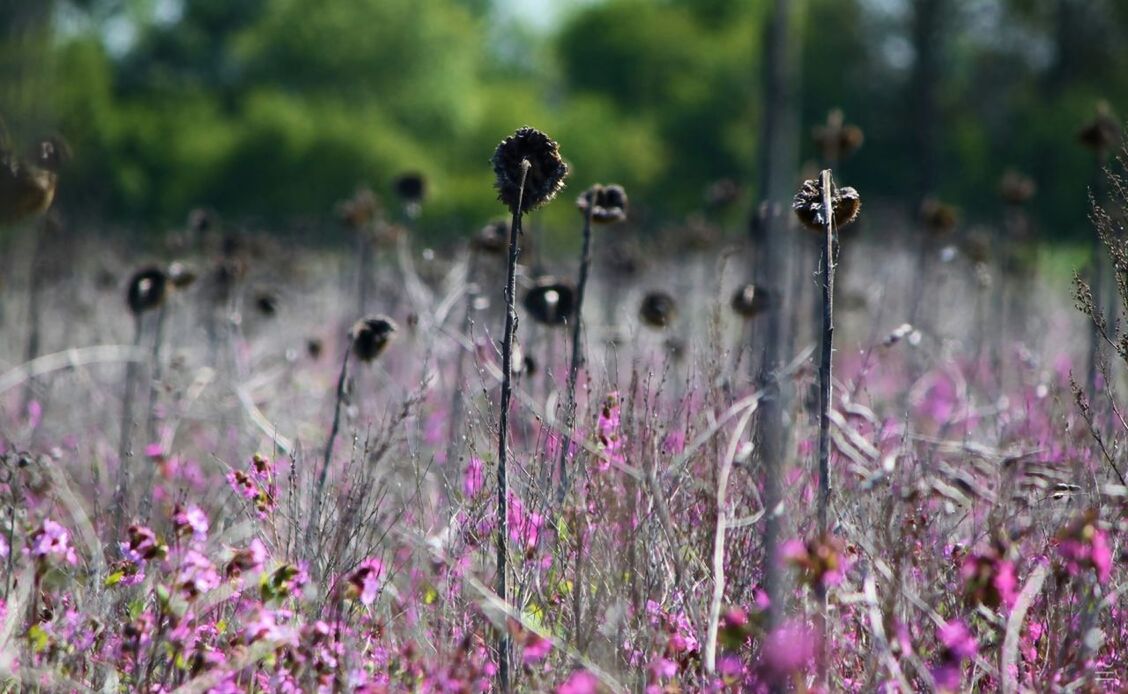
323 476
826 353
503 425
1097 282
125 443
577 356
155 373
825 373
460 369
364 269
35 293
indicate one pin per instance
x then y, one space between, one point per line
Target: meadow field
215 479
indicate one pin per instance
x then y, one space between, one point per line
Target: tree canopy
275 109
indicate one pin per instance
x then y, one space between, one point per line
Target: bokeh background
270 111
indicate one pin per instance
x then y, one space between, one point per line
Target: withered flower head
266 302
313 348
201 220
722 193
606 203
371 335
837 139
551 301
1103 132
180 275
411 187
546 170
147 290
977 246
808 204
492 239
658 309
749 300
623 259
359 210
939 218
1016 188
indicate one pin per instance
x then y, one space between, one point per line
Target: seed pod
749 300
201 221
359 210
1016 188
1102 133
546 170
607 203
722 193
551 301
939 218
371 335
411 187
180 275
837 139
492 239
658 309
808 205
313 348
147 289
266 302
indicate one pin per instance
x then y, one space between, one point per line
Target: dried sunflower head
551 301
658 309
606 204
529 149
1102 133
749 300
371 335
808 205
147 289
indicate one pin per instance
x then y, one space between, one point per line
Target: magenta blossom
958 645
989 579
473 479
366 581
52 540
197 574
536 649
1084 545
191 521
787 650
581 682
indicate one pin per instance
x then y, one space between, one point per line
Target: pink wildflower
581 682
473 478
536 649
191 520
52 540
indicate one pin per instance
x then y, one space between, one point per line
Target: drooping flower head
147 290
606 204
371 335
529 149
749 300
845 204
658 309
551 301
1103 132
411 186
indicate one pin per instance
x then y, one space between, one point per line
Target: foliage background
271 110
